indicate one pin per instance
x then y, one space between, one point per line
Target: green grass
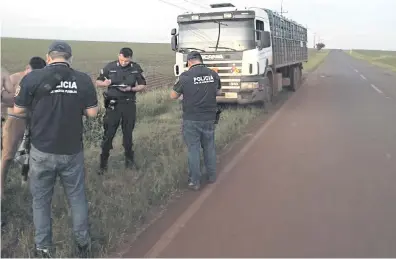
316 57
156 59
119 201
385 59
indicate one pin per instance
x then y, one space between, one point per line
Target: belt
119 98
16 116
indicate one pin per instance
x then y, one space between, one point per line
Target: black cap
194 55
60 46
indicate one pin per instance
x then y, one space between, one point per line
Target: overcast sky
339 23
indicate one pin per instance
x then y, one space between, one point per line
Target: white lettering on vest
68 87
203 79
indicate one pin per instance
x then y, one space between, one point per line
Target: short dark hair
57 54
60 49
37 63
194 55
126 52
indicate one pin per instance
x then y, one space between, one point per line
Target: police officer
199 87
123 78
56 97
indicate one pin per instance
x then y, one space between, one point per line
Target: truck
256 52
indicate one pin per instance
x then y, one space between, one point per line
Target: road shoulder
162 218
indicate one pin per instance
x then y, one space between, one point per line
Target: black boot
103 162
129 159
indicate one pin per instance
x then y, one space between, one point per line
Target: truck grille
230 72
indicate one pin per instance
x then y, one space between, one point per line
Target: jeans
199 134
44 169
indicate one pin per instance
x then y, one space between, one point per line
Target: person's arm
7 91
15 80
90 99
141 81
6 81
7 98
177 88
23 98
103 78
218 84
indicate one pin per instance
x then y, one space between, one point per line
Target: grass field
119 201
90 57
385 59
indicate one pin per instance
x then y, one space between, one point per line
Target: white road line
376 89
362 76
356 71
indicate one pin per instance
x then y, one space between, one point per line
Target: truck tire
268 88
300 76
295 78
266 93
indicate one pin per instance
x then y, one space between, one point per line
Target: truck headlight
249 85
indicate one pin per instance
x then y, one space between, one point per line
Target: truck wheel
267 98
294 78
268 88
300 76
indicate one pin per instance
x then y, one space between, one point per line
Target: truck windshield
234 35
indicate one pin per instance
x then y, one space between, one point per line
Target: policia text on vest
123 78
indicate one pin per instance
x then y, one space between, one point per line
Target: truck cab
236 43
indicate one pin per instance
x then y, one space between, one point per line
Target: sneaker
194 186
42 253
84 251
209 179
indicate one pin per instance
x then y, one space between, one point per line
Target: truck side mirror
265 39
173 31
174 42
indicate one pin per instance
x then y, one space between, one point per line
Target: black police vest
57 109
199 94
122 76
52 78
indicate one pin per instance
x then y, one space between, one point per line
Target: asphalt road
318 179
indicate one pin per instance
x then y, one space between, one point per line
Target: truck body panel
289 41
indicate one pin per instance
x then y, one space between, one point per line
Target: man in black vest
56 97
199 87
123 78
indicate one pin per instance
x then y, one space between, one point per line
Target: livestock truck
255 51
